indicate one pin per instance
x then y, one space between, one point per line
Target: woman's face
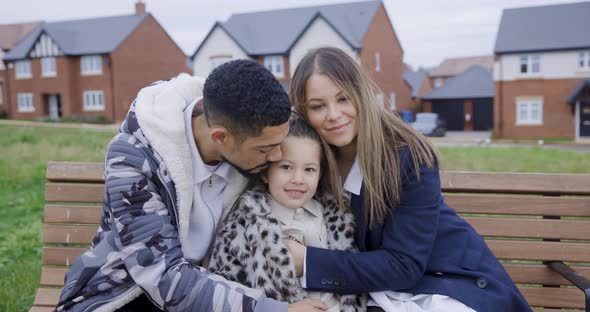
330 111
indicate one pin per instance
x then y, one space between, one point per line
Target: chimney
139 7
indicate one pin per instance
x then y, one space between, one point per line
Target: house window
380 99
529 111
91 65
93 101
1 93
530 64
584 59
23 69
25 102
48 67
218 60
377 62
275 64
392 101
438 82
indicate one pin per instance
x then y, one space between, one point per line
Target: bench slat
75 171
541 251
60 255
68 234
511 183
47 297
520 205
550 297
539 274
74 192
53 276
531 228
72 214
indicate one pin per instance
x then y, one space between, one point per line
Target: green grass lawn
25 152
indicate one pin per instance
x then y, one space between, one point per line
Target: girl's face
293 180
330 111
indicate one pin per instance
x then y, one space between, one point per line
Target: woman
416 253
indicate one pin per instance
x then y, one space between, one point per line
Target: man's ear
220 135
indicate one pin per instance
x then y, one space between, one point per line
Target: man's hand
298 254
307 305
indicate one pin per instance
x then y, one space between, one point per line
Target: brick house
542 72
10 36
89 68
280 38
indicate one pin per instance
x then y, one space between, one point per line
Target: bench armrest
574 277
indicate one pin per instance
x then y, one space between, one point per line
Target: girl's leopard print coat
249 249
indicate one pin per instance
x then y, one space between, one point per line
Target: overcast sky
429 31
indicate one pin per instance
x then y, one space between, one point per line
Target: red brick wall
147 55
4 85
558 118
69 84
381 37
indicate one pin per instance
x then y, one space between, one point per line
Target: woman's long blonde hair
381 134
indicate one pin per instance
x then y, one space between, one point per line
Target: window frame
527 105
275 64
19 72
27 99
90 101
91 65
52 65
530 64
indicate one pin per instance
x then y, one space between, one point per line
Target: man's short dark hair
244 97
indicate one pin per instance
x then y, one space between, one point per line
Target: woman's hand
307 305
298 254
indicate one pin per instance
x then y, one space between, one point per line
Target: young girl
249 247
415 254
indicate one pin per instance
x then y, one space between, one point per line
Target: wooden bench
532 222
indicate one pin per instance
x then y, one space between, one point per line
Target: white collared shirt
209 185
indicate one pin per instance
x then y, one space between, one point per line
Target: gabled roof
80 37
415 79
543 28
475 82
455 66
12 34
275 32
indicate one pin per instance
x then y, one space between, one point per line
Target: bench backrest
526 218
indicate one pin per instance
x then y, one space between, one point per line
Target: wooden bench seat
532 222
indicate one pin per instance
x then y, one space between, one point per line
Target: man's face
254 154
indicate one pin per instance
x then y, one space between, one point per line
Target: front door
54 107
585 119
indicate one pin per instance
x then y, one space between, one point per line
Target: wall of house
380 37
149 54
318 34
558 119
218 43
554 65
68 83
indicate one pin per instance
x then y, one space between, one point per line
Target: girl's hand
298 254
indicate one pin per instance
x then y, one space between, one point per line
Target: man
167 179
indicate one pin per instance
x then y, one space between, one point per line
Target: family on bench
231 195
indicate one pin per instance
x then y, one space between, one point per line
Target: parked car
430 124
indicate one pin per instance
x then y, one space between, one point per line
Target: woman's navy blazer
423 247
